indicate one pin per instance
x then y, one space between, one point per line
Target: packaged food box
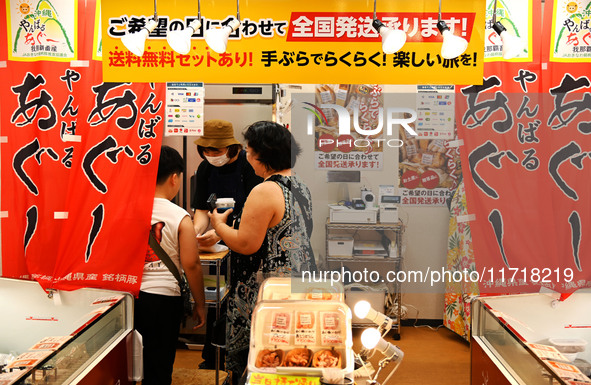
296 289
301 337
569 347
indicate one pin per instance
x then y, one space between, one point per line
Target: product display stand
217 259
393 246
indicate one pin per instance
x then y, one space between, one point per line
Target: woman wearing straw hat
225 172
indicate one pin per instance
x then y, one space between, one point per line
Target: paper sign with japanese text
97 39
184 109
42 29
272 379
280 333
296 42
50 343
517 18
358 107
571 34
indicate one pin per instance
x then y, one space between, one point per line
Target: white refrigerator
241 105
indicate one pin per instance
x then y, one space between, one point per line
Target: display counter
531 339
65 337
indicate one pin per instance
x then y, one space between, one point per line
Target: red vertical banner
508 157
566 60
79 160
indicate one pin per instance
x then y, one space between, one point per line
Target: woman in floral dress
272 234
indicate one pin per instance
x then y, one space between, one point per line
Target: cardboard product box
342 214
341 246
375 296
209 282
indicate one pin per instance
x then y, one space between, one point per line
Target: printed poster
42 29
184 109
517 17
358 107
571 31
97 40
428 170
435 112
303 41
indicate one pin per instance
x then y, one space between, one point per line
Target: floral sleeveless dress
286 250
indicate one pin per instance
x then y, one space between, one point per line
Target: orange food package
301 357
319 294
269 358
326 358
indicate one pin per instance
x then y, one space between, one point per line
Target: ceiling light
217 38
135 42
513 46
180 41
392 39
453 46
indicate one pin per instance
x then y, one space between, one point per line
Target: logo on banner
39 31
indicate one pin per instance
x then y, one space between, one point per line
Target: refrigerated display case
520 339
66 337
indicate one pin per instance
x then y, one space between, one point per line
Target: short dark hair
233 150
171 162
273 143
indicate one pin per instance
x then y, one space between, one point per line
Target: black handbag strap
165 258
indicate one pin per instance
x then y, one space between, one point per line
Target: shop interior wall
425 237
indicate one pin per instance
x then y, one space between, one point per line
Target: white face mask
218 161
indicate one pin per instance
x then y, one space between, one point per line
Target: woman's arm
263 209
191 263
200 221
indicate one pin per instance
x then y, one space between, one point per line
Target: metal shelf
361 259
397 229
216 259
213 302
397 226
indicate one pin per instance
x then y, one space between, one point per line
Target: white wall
425 238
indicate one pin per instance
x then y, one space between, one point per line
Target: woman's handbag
182 279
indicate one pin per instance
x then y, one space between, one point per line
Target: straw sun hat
217 133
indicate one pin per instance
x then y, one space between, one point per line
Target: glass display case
515 339
66 337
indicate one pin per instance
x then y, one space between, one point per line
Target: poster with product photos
356 106
429 170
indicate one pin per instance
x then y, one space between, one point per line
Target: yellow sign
301 41
278 379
